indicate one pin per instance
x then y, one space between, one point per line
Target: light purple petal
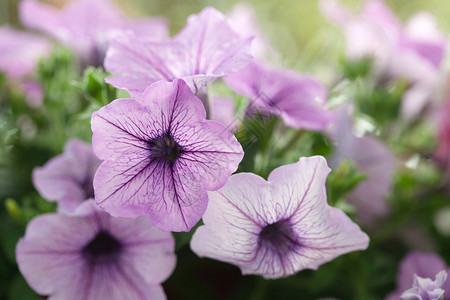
424 37
211 153
50 257
34 93
364 34
413 52
133 182
120 131
372 158
325 232
243 20
234 219
20 52
37 15
86 26
335 12
298 100
67 178
141 239
416 98
425 265
426 288
294 195
223 110
154 28
205 49
379 13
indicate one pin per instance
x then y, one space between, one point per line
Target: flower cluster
206 145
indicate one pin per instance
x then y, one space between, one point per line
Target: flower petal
122 127
68 178
205 49
233 220
211 152
298 100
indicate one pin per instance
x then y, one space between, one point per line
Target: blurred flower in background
87 26
67 178
413 52
20 52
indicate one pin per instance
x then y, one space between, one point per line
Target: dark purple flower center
102 248
278 237
165 147
88 187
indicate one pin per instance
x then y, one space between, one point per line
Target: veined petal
123 127
215 47
173 105
182 200
53 256
68 178
298 100
211 152
140 239
205 49
302 187
233 220
127 189
279 227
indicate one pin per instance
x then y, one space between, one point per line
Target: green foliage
353 70
342 180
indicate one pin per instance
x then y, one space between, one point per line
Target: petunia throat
102 248
278 237
165 147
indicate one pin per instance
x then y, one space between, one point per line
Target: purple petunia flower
205 49
278 227
19 55
20 52
372 158
243 20
424 265
413 52
162 155
90 255
426 289
68 178
87 26
223 110
298 100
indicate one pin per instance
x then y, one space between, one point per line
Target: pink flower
413 52
298 100
207 48
161 156
87 26
277 227
243 20
20 52
372 158
68 178
90 255
223 110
